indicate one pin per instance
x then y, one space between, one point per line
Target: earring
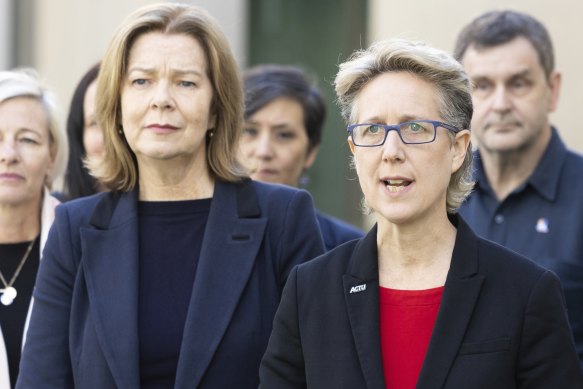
304 180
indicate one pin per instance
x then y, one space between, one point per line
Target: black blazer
501 323
83 329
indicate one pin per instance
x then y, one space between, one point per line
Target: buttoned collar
546 176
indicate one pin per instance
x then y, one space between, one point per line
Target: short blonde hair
118 168
428 63
26 83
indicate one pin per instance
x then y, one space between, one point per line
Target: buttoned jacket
84 325
501 323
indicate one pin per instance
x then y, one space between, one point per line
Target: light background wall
71 35
6 34
63 38
67 36
438 23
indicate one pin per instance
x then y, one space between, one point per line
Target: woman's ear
311 157
351 145
460 147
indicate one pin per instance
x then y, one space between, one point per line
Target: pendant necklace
9 293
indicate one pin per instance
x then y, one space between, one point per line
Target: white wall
439 22
6 34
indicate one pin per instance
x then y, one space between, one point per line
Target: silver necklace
9 293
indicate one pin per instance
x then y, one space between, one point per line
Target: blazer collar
461 291
460 295
231 241
363 263
361 294
110 267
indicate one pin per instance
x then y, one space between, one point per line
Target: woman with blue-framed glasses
420 301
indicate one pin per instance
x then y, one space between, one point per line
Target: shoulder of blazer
495 258
331 264
274 199
247 201
103 210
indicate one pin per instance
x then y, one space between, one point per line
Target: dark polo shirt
542 219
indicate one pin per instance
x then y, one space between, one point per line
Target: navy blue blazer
335 231
83 330
501 323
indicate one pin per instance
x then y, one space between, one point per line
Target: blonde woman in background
33 152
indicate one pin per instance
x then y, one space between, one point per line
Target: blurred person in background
172 278
284 117
33 152
529 186
421 301
85 139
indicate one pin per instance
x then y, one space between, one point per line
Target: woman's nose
264 147
8 152
393 147
162 98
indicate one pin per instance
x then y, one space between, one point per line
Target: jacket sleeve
282 365
45 361
547 357
301 238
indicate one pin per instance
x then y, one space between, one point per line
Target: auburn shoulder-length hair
118 169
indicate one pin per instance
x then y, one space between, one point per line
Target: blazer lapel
461 291
110 268
361 293
232 239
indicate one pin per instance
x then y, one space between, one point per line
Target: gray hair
430 64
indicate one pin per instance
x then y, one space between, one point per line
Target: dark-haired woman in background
284 117
85 138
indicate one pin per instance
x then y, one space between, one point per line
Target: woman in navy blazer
284 116
171 279
420 301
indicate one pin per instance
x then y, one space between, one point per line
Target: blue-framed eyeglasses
413 132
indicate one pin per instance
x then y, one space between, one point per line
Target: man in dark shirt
529 187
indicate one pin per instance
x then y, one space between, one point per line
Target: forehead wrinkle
173 70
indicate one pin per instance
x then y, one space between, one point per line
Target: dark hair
264 83
498 27
78 181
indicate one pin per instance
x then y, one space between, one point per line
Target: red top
407 318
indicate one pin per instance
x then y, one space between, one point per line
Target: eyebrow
282 126
520 73
523 74
402 119
147 70
28 130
